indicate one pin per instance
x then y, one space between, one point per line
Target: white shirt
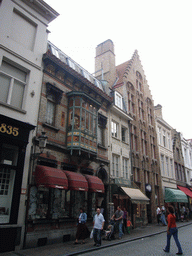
98 221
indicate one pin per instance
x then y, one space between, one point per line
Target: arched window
139 81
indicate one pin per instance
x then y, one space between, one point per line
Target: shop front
54 203
128 196
14 139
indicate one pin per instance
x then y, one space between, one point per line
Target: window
115 165
9 159
125 168
143 142
118 100
146 177
167 166
156 179
168 141
139 81
171 167
153 147
13 83
124 132
162 165
164 139
102 121
131 105
159 133
133 137
136 174
54 96
114 129
150 117
141 110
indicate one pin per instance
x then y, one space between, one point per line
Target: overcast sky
161 31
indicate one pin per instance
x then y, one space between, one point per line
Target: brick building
129 80
72 171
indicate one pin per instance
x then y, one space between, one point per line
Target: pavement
69 249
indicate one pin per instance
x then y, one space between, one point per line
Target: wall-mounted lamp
42 144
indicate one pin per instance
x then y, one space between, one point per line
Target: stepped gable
123 70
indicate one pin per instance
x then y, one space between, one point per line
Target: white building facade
165 150
23 41
187 154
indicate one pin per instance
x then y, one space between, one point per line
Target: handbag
91 235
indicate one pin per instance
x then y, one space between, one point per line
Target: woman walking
82 230
172 230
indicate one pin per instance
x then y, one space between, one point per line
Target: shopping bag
91 235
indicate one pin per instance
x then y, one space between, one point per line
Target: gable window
131 105
139 81
118 100
13 82
141 109
114 129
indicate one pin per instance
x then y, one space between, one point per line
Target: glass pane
17 94
50 112
7 177
91 123
13 71
83 120
4 87
77 102
87 120
71 103
77 118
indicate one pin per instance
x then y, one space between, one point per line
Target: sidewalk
69 249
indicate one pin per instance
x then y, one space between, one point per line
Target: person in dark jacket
82 230
172 231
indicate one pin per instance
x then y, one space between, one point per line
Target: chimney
158 111
105 62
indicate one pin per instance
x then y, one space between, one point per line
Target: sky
159 30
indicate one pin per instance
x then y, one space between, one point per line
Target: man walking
118 217
98 223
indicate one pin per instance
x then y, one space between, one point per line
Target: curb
121 242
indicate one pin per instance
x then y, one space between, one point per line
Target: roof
120 69
76 70
123 70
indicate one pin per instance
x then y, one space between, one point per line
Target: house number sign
10 130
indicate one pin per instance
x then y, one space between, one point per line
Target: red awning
95 184
76 181
50 177
186 191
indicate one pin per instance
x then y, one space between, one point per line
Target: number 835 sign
8 129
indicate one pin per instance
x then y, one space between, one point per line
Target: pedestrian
172 231
98 224
163 220
125 218
82 230
129 225
118 216
158 212
182 213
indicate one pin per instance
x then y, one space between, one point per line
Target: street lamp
42 141
42 144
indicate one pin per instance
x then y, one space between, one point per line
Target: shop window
8 159
13 81
49 203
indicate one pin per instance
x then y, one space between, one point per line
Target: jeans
120 230
174 233
97 235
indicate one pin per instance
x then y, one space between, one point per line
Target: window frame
13 80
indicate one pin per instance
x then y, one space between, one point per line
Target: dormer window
118 100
